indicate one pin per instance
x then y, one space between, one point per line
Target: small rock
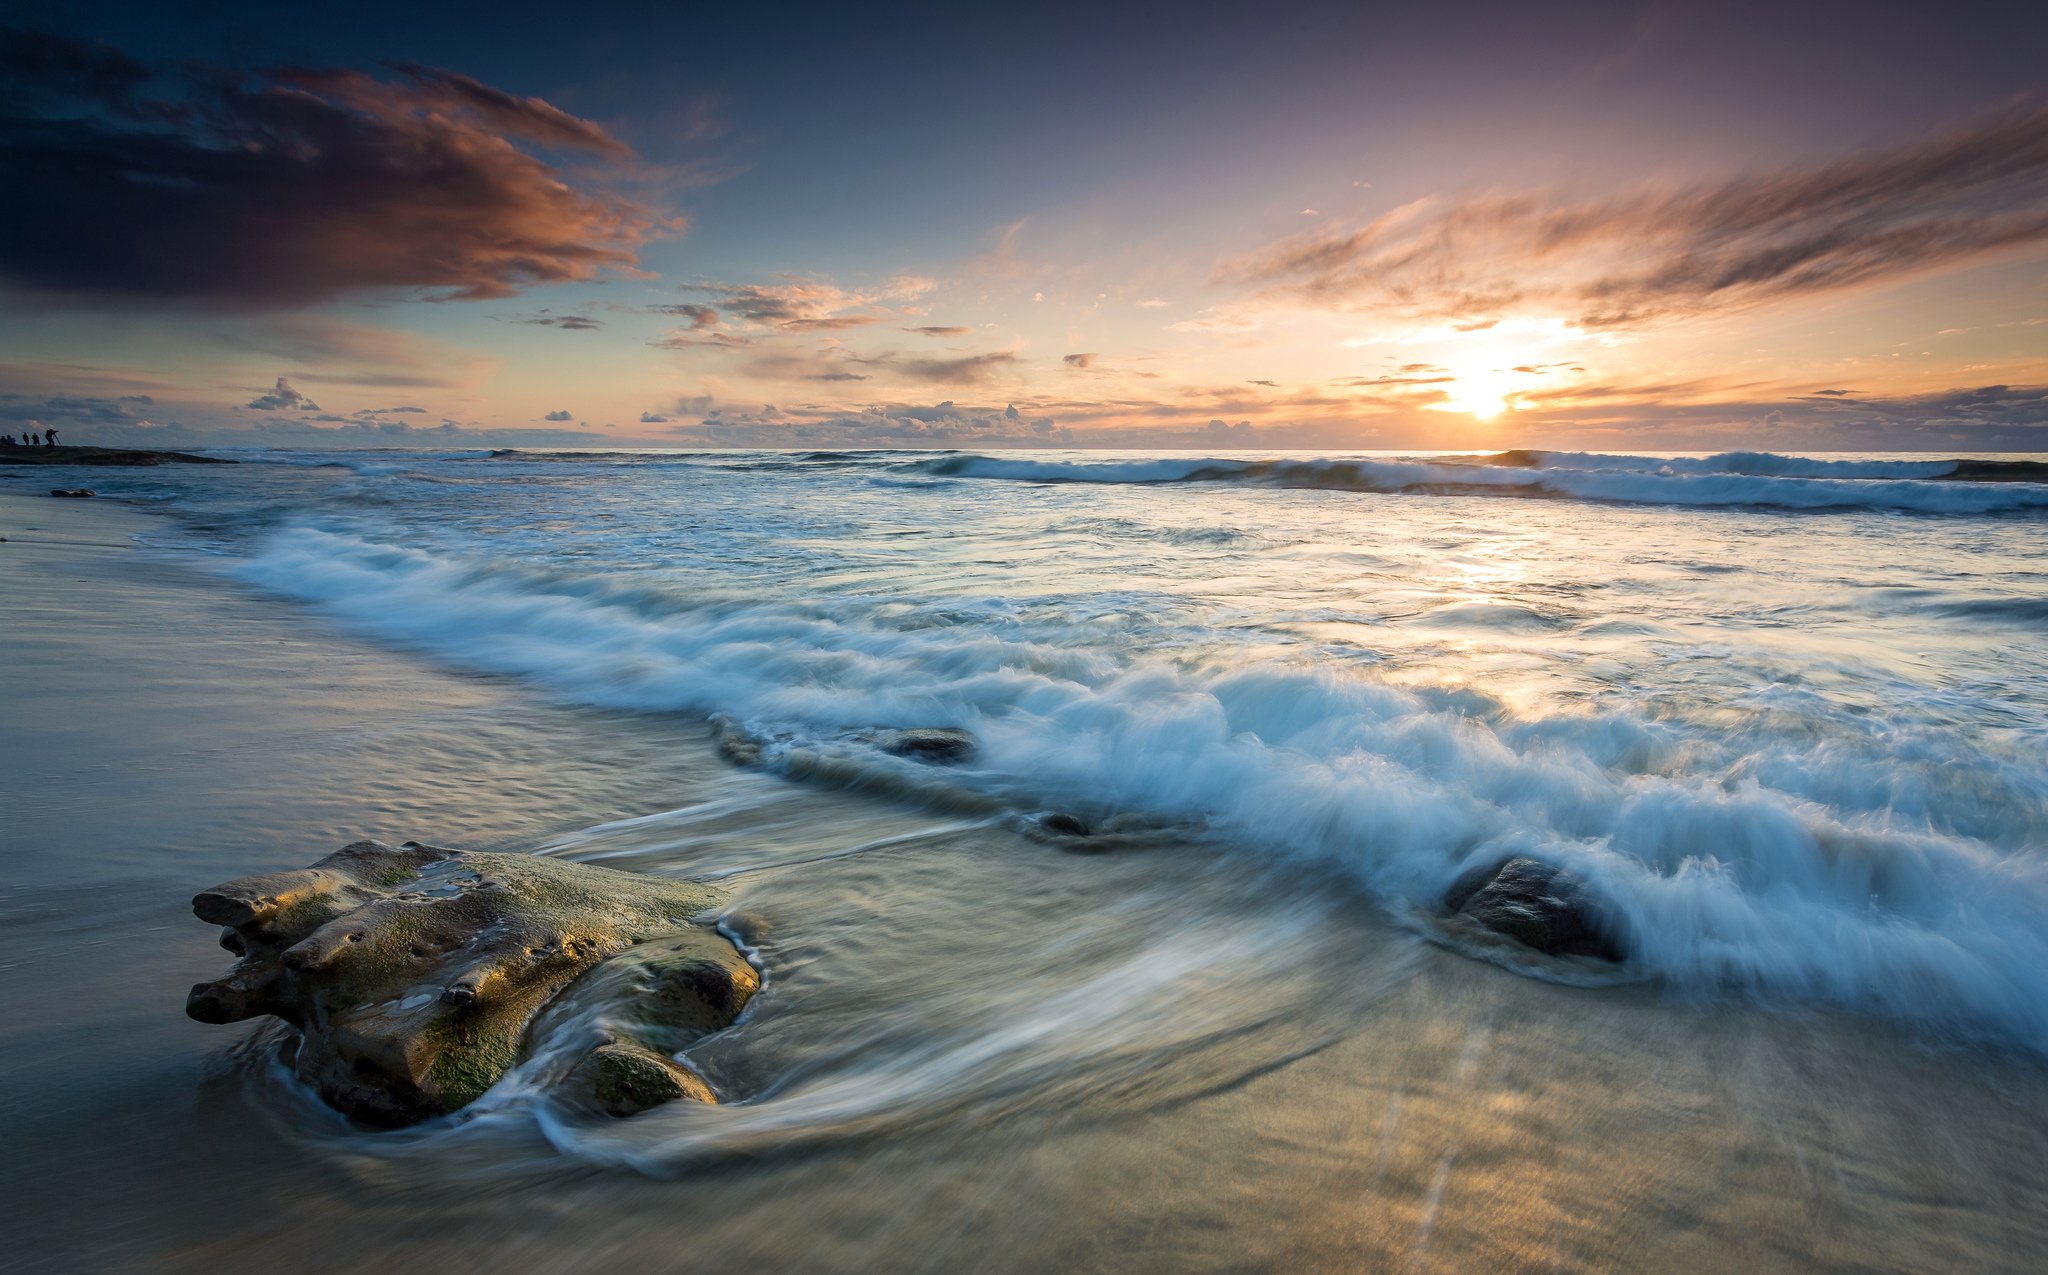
70 491
940 746
1064 825
1536 904
624 1079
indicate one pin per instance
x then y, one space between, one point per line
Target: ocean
1786 717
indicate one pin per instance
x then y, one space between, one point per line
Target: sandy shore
165 730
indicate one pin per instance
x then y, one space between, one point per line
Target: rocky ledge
412 974
16 454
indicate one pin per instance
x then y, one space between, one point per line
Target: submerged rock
621 1078
1536 904
412 973
941 746
74 492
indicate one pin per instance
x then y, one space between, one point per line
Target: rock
1063 825
1536 904
72 491
412 973
72 455
621 1078
940 746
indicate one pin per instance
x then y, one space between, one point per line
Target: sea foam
1757 479
1890 866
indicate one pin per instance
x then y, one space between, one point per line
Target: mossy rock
412 972
622 1078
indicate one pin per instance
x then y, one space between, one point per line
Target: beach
974 1048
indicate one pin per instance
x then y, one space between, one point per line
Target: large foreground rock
1539 905
413 972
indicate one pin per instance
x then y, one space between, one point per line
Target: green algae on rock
413 972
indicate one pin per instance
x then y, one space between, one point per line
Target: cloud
695 338
283 398
653 418
71 407
940 425
334 351
972 369
566 322
700 316
1079 360
291 186
803 304
558 416
937 331
1646 255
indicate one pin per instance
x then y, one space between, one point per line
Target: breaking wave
1887 865
1759 479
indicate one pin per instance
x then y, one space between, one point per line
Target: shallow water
1799 751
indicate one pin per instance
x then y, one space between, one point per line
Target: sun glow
1483 393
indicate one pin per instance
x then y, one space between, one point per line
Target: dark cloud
1642 256
202 185
1271 385
653 418
558 416
1078 360
1835 393
938 331
283 398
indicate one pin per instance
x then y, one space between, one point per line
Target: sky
1628 226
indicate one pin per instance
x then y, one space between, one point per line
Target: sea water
1788 716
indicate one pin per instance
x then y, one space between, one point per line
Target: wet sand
1361 1099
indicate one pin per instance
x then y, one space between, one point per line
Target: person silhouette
50 437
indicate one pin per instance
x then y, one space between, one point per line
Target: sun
1481 392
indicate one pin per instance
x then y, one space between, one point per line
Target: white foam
1731 479
1885 870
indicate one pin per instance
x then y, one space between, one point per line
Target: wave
1758 479
1882 865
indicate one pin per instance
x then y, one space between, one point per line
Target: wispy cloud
1647 255
802 304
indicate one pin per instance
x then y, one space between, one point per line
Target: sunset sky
1605 226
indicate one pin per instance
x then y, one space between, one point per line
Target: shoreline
170 729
